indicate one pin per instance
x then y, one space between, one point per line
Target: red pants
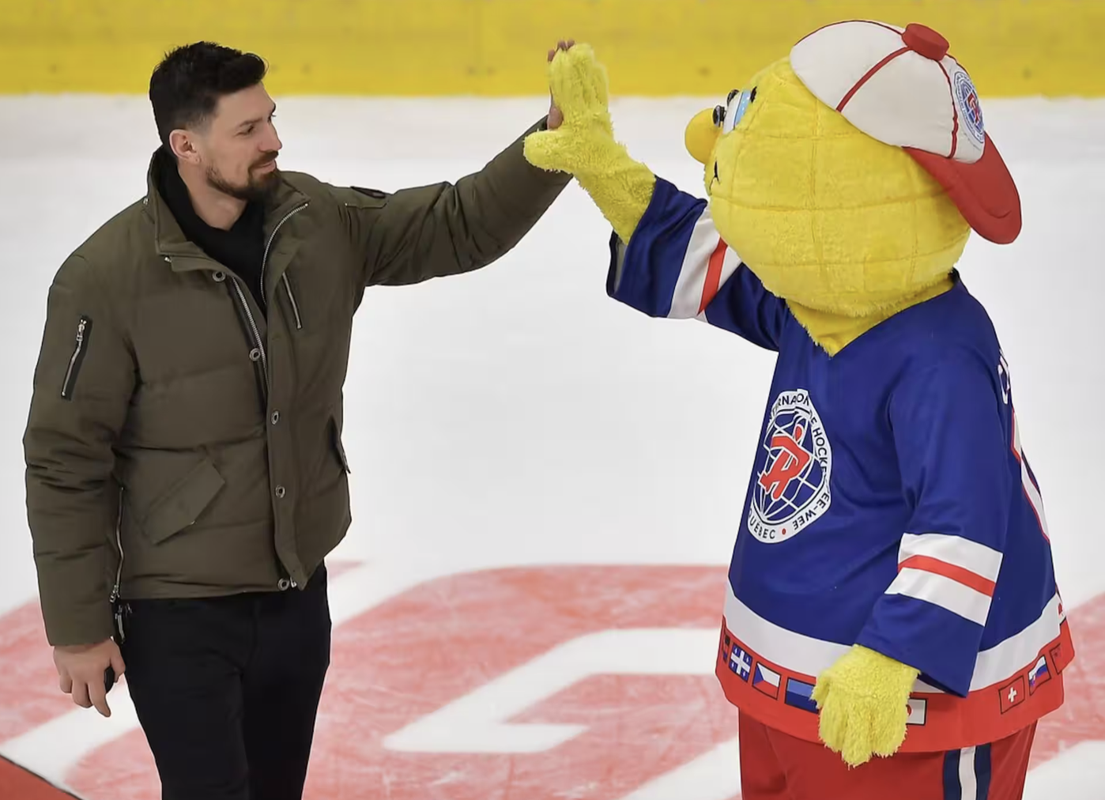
776 766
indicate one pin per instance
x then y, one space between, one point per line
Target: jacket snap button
219 276
280 491
275 417
254 354
284 583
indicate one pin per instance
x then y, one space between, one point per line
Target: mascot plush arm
584 144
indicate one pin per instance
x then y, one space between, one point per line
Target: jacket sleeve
953 446
443 229
676 266
83 382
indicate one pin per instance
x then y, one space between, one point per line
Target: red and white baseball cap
901 87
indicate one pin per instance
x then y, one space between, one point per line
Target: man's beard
259 188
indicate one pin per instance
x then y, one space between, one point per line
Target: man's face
237 148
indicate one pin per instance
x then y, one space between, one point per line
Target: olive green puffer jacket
174 423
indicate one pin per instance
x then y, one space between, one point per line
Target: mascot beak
701 135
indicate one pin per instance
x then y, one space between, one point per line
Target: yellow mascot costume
891 592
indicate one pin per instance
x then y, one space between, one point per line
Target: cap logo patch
970 110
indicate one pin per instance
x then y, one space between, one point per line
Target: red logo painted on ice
519 684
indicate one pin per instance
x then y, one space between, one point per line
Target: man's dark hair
187 84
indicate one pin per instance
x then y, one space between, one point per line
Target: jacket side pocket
179 507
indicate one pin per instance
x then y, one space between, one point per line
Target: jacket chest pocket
180 506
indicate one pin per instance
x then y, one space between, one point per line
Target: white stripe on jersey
1002 660
939 590
955 550
810 656
687 298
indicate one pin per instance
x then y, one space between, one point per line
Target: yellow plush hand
583 144
578 85
864 699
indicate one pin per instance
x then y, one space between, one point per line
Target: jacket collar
182 254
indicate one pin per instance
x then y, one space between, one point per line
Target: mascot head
849 175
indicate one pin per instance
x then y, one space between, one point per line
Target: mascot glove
585 138
583 145
864 700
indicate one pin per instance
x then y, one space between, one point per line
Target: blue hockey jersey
890 503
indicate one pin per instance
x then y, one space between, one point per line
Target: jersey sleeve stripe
955 551
713 275
944 592
938 567
707 264
727 264
809 656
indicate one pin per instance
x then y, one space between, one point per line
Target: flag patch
767 681
799 695
1012 694
740 662
1038 675
917 711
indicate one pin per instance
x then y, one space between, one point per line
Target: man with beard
185 471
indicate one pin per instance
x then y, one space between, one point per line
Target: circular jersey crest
792 488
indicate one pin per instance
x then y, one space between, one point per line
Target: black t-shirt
240 249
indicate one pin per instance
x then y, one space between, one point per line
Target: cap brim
984 191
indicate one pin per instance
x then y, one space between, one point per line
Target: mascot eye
736 104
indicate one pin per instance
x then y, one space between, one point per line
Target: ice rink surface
545 484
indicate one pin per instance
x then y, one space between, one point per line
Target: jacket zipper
268 244
257 341
291 299
254 331
84 331
119 545
118 612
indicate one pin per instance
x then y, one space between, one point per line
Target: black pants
227 689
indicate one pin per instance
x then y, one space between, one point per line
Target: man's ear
182 144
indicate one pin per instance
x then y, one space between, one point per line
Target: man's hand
81 672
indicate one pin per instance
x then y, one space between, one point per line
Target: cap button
925 41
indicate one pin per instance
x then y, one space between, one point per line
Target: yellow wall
497 47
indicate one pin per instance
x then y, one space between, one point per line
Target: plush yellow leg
584 145
863 699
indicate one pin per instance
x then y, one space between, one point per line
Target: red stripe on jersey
712 282
958 574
